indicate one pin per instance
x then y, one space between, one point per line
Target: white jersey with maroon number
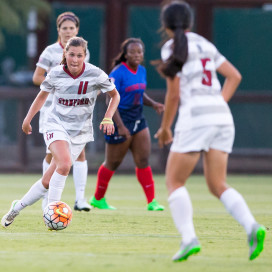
73 100
201 102
50 58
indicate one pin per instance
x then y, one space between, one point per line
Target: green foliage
132 238
14 14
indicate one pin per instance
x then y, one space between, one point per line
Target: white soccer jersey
201 102
50 58
73 100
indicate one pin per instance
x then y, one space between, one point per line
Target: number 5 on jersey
207 75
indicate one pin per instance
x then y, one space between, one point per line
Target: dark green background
242 35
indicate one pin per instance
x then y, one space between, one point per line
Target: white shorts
204 138
56 135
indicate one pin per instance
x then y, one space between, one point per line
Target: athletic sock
56 186
45 165
36 191
145 178
237 207
103 178
80 173
182 212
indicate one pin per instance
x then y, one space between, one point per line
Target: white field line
62 253
20 234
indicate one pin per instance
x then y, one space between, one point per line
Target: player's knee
141 162
217 190
64 167
113 165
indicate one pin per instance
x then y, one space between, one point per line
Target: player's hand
26 127
164 137
107 126
158 107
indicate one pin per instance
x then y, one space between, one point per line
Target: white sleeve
104 83
47 85
87 58
218 57
44 60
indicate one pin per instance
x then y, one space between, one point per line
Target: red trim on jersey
80 87
61 45
132 71
74 77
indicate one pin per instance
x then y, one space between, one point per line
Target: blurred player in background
131 130
67 27
205 124
68 122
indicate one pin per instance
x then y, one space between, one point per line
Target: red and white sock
145 177
103 178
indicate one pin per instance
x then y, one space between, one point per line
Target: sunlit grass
131 238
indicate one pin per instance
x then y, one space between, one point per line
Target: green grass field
131 238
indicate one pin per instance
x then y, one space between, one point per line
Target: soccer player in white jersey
204 124
67 27
68 123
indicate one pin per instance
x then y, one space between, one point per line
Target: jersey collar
74 77
132 71
61 45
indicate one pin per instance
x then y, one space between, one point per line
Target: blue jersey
131 86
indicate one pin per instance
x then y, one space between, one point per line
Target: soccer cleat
10 216
82 205
187 250
154 206
101 204
256 241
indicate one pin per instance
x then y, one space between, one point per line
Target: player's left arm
107 123
148 101
232 79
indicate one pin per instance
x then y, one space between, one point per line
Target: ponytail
179 56
177 17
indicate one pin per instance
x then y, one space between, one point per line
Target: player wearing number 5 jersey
204 125
131 131
201 102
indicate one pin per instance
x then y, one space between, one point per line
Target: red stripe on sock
145 178
103 178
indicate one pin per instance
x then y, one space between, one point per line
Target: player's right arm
38 76
34 108
164 134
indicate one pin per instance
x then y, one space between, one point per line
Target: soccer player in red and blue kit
132 132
